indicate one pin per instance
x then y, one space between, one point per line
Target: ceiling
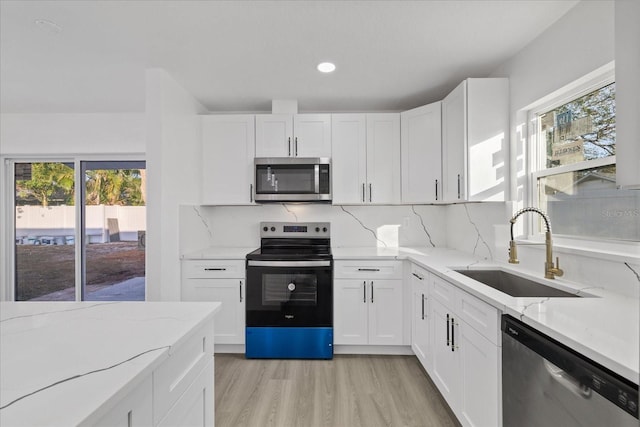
91 56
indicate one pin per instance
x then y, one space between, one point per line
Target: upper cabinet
421 154
475 134
299 135
366 158
228 149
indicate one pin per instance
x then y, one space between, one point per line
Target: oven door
289 293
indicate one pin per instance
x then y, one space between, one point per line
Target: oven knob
273 229
317 229
291 287
324 229
265 228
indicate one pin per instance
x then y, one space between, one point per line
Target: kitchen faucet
550 270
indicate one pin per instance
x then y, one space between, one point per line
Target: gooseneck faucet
550 270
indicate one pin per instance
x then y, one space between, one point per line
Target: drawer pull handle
215 269
447 330
418 276
368 269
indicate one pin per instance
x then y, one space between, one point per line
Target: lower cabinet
368 312
465 362
222 281
420 316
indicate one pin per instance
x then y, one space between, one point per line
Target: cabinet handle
447 330
436 189
363 192
215 269
296 147
422 306
372 292
130 418
458 186
453 335
418 276
370 193
289 141
364 291
251 193
240 290
368 269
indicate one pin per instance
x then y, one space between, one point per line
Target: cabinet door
383 159
479 400
230 320
274 135
454 125
444 367
487 138
420 318
385 312
228 149
350 307
349 158
421 154
134 409
312 135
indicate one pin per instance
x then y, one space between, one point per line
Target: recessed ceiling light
326 67
48 26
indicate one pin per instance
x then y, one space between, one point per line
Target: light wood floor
348 391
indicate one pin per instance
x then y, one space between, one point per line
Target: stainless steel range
289 295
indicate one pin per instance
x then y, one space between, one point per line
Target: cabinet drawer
213 269
479 315
419 273
369 270
443 291
177 373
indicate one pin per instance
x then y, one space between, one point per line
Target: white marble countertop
603 326
65 363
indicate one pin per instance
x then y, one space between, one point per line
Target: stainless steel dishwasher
545 383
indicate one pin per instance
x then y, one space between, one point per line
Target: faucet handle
513 253
557 270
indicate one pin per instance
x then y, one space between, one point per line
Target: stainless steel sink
513 285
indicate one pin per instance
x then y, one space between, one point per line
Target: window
575 177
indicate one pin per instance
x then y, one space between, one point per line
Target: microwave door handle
316 171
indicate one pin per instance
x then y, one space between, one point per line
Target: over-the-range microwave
292 179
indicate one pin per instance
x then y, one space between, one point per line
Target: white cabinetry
366 158
134 410
222 281
368 303
228 149
420 333
421 154
466 354
475 134
299 135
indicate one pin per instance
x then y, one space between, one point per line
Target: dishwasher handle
567 381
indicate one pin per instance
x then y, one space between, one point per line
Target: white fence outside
56 224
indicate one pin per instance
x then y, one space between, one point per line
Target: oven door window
289 289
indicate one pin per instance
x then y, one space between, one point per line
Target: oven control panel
295 229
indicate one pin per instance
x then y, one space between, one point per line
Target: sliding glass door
87 246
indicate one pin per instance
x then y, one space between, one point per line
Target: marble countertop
65 363
602 325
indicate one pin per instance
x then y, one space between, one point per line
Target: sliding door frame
8 214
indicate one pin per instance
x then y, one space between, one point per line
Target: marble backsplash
481 229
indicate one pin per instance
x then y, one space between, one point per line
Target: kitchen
165 127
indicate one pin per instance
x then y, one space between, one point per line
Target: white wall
173 176
39 134
628 93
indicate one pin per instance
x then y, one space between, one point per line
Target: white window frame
536 164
